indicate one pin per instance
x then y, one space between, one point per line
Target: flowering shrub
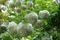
29 20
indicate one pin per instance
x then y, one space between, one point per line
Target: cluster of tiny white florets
29 3
57 1
39 23
12 27
44 14
24 29
4 25
31 17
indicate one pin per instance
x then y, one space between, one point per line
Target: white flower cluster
29 3
24 29
31 17
44 14
39 23
12 27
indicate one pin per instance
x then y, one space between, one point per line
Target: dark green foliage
55 20
6 36
3 29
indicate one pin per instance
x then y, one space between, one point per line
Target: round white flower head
29 3
44 14
3 8
24 29
18 3
39 23
31 17
12 27
4 24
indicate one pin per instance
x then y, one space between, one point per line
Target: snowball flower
31 17
12 27
24 29
23 7
12 5
44 14
29 3
39 23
